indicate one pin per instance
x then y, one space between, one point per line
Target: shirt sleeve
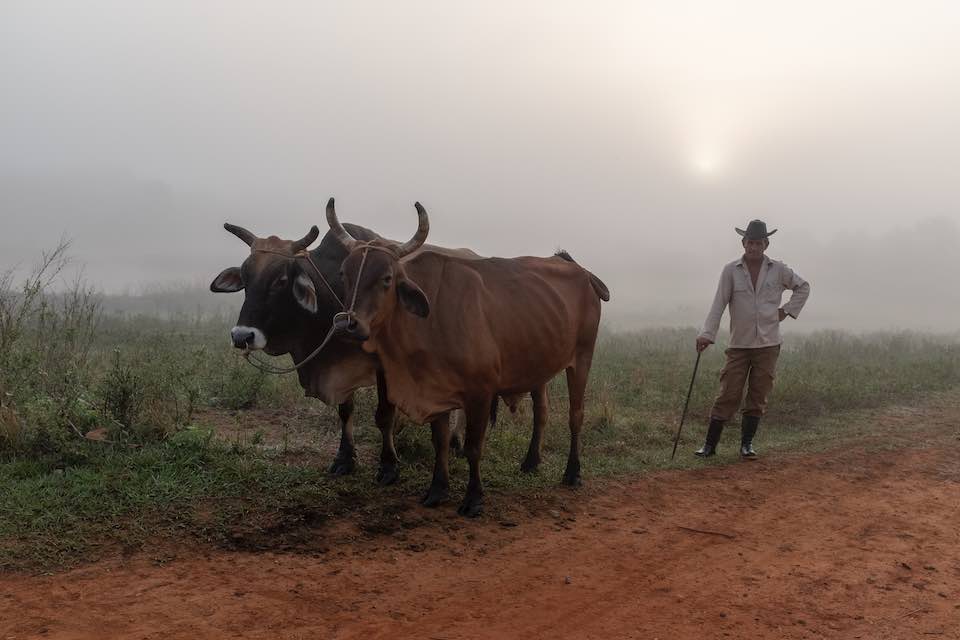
800 288
720 300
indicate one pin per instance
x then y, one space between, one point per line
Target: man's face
753 249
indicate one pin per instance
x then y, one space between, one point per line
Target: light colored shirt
754 317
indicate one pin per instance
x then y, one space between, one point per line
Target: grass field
195 445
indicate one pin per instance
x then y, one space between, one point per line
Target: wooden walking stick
686 404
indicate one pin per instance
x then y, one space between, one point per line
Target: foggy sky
635 135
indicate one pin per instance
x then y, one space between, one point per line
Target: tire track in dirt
862 542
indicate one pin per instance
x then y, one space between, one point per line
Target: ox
290 298
453 333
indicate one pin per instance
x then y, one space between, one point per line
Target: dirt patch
277 429
862 542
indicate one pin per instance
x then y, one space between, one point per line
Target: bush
122 394
240 386
45 342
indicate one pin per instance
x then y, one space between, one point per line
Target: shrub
122 394
240 386
45 342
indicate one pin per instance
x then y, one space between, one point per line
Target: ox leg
439 491
576 387
386 419
540 409
457 429
478 416
345 461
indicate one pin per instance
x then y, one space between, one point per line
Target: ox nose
242 338
346 324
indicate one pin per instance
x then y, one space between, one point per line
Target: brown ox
452 333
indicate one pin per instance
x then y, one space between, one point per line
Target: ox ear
413 298
229 281
305 293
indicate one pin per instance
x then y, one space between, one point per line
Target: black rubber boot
709 447
748 428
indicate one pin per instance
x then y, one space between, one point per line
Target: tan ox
453 333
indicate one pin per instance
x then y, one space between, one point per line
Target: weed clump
45 347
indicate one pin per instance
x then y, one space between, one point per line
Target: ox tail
601 289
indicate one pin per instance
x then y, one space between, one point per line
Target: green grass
172 480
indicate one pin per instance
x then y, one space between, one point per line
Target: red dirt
861 543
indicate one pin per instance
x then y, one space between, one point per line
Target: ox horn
240 232
347 240
420 236
306 240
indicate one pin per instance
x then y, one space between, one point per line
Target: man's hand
703 343
783 314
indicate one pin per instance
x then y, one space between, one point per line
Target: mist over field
634 135
150 469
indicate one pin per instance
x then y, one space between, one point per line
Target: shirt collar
766 259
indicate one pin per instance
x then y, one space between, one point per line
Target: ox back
496 326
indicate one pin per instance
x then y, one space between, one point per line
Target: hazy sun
707 162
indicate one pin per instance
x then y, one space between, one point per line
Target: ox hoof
470 508
343 466
387 475
435 496
529 465
572 479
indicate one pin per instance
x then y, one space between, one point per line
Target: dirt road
860 542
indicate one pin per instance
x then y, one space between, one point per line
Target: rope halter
345 315
269 368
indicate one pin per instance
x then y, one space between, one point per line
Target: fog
634 135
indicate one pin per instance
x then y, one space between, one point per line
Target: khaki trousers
754 367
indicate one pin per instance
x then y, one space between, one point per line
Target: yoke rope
269 368
306 255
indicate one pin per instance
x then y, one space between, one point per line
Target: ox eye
280 282
387 280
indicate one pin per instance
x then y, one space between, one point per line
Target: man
753 287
